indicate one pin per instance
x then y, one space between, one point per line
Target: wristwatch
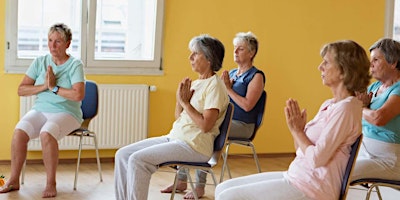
55 89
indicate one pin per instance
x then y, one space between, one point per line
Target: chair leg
378 192
78 161
213 177
369 191
255 157
196 197
23 173
175 185
97 157
225 164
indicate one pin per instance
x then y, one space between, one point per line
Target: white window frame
389 15
13 65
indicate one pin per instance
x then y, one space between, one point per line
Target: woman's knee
46 137
20 136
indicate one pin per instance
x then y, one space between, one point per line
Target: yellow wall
291 34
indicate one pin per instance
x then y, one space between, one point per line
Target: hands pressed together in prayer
50 80
296 120
225 77
184 93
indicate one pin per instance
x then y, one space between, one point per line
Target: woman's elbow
78 97
206 128
378 120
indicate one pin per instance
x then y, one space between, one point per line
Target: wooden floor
90 188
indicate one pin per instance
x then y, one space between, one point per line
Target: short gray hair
390 49
212 48
250 39
63 29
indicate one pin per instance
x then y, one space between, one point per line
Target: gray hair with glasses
63 29
250 39
211 47
390 49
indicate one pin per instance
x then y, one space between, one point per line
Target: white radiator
121 119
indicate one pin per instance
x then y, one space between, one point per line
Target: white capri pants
135 163
58 125
377 159
262 186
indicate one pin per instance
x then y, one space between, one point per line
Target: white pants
135 163
57 124
377 159
262 186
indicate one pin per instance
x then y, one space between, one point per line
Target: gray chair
219 144
89 109
247 142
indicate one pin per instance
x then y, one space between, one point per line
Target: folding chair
219 144
349 168
247 142
89 109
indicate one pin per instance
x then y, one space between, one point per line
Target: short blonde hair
250 39
63 29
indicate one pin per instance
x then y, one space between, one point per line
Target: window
109 36
392 25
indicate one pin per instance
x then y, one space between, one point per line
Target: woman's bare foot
181 186
49 191
8 187
200 193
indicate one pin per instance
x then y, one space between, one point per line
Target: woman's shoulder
350 103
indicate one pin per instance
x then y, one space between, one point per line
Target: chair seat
374 180
81 132
193 164
239 139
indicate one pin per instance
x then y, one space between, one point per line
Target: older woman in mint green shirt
57 79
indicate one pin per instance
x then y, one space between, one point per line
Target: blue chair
349 168
247 142
89 109
219 144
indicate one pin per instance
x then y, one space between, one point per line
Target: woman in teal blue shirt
380 151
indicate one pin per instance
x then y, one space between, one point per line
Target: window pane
36 17
125 30
396 21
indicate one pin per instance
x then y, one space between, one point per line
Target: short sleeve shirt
67 74
208 93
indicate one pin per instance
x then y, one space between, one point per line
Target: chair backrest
90 103
220 140
260 115
349 168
